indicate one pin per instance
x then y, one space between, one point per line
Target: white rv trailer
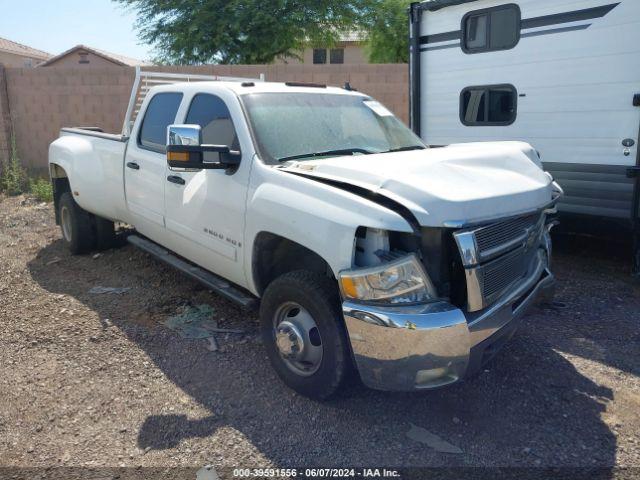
563 75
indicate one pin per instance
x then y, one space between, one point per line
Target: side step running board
214 282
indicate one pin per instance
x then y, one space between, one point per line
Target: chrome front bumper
427 346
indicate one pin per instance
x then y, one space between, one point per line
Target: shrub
14 177
41 189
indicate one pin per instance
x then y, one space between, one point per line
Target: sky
57 25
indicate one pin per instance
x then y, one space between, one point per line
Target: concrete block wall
44 100
387 83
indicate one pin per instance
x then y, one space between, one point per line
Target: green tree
243 31
389 32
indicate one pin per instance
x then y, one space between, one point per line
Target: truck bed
97 158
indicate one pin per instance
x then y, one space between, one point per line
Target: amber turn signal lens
349 287
178 156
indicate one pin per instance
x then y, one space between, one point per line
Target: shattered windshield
301 126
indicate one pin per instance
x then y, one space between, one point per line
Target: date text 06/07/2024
316 473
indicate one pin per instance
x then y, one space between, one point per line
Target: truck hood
450 186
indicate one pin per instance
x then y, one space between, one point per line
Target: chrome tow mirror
185 150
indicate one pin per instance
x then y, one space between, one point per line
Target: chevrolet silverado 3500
367 249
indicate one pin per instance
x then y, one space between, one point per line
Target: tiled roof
353 36
115 58
132 62
19 49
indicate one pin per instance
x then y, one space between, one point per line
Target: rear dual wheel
82 231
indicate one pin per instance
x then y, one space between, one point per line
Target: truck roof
241 88
147 82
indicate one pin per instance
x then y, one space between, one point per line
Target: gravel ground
98 380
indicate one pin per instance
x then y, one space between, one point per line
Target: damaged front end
432 250
428 308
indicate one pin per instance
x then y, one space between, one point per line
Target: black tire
319 296
105 233
78 233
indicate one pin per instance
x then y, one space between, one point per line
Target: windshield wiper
343 151
406 149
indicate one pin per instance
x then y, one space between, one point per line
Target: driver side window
211 113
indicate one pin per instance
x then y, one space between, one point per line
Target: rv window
477 32
491 29
488 106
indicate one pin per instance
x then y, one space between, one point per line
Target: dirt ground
98 380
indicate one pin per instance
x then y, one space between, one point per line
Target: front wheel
304 333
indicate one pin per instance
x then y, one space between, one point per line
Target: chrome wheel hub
298 339
289 340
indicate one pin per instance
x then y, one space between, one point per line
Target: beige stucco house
14 54
348 50
83 56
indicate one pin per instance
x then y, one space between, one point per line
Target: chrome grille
500 274
497 256
491 240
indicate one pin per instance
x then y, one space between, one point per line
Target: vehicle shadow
596 301
529 407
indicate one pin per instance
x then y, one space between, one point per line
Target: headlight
399 282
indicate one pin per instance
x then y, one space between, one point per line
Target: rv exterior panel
575 69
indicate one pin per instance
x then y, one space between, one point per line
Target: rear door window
160 113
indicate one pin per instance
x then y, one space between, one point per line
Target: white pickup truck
365 249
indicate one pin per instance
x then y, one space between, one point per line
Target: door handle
133 165
176 179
